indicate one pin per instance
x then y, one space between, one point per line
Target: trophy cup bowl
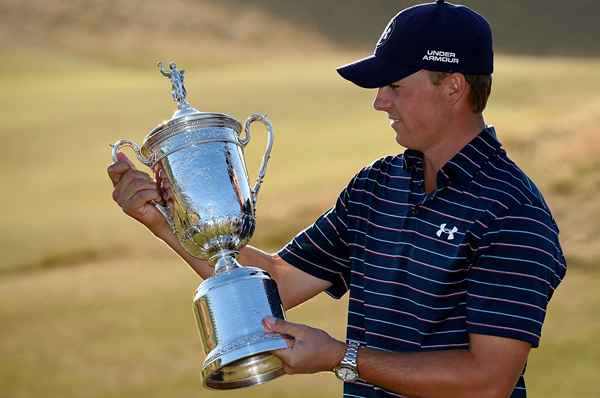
198 162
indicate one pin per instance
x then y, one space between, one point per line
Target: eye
394 86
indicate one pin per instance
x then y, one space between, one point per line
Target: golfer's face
413 105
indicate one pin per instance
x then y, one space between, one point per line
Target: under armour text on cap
436 36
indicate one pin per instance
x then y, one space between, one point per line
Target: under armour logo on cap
386 33
444 230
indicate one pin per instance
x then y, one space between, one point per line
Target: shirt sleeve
518 265
321 250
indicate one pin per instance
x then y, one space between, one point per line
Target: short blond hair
480 88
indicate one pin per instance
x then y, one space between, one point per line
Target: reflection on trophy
199 165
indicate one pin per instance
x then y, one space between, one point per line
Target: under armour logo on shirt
444 230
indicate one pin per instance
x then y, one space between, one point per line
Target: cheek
417 116
428 109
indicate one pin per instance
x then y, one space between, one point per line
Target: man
448 250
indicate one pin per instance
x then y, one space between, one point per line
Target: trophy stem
224 261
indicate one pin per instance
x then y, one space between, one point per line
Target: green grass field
92 306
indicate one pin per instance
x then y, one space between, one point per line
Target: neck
455 137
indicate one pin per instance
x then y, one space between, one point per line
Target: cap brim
374 72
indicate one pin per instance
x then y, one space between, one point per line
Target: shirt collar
463 166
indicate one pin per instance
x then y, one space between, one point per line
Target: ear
456 88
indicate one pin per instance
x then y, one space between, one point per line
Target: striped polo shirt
480 254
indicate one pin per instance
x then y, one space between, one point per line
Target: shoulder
526 229
521 197
512 187
531 218
523 217
387 165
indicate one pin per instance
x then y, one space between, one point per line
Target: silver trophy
198 162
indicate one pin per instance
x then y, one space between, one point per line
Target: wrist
337 354
163 232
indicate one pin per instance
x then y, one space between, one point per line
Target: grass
124 328
117 328
92 306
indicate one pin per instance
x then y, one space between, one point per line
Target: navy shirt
480 254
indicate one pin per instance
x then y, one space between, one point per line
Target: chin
401 140
406 143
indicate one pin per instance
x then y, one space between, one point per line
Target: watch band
347 369
351 355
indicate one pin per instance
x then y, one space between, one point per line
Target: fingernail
269 322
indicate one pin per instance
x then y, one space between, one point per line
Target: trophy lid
185 116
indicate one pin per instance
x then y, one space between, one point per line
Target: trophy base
246 372
247 364
229 309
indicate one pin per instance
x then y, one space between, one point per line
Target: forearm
452 373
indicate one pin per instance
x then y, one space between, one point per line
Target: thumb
283 327
123 158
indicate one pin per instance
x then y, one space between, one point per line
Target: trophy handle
259 117
163 210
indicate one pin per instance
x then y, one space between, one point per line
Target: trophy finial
176 76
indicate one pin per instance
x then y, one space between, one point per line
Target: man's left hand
310 350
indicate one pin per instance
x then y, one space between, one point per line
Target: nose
382 100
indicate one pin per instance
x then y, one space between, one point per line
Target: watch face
346 374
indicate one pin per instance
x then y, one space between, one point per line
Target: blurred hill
520 26
136 30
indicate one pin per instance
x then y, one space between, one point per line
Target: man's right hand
136 192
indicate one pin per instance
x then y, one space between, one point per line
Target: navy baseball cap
436 36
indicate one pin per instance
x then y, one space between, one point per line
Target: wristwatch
347 369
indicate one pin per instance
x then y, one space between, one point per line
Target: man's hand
310 350
135 192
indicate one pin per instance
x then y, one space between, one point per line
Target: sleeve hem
338 285
516 335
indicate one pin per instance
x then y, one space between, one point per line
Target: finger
281 326
116 171
130 177
140 199
119 167
123 158
137 186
